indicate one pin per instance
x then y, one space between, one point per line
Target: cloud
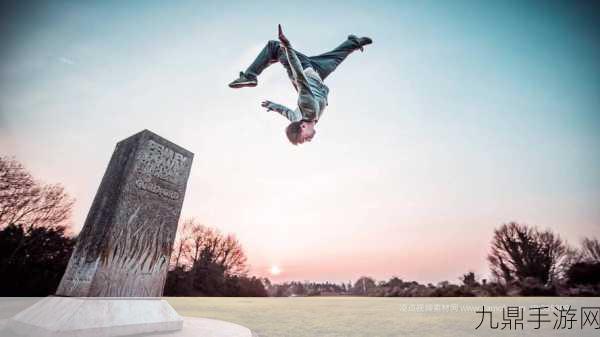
66 60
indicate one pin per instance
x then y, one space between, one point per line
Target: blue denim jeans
324 64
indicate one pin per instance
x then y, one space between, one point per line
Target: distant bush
532 286
584 273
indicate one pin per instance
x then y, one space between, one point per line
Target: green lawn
371 316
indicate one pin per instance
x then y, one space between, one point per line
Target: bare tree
585 267
29 203
206 262
590 250
16 185
181 248
519 251
29 207
199 245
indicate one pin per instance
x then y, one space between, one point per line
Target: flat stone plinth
205 327
95 317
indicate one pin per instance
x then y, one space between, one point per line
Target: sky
460 117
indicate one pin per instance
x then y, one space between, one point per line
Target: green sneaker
360 41
244 81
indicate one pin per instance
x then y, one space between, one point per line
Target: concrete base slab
205 327
95 317
111 317
192 327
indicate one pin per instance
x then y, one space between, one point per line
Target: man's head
300 132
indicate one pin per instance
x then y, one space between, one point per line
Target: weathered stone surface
124 247
111 317
95 317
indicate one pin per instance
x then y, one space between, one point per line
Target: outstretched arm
295 64
292 115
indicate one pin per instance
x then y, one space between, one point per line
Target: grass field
369 316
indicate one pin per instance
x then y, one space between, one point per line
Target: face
307 133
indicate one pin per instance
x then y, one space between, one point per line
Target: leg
296 68
285 61
269 55
326 63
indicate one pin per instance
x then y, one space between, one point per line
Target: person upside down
307 75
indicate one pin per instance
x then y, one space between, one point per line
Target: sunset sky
461 116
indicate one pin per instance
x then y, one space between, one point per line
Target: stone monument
115 277
124 247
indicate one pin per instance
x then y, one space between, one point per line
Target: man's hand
267 104
284 41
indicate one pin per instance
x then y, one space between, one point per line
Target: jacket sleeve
297 69
292 115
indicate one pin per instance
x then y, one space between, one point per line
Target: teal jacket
312 92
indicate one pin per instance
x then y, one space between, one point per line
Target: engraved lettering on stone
161 191
162 162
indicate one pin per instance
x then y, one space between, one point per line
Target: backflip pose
307 75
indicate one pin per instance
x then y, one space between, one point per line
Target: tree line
36 241
524 261
206 262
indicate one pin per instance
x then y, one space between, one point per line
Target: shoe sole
242 84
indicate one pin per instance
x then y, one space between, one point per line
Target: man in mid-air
307 75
